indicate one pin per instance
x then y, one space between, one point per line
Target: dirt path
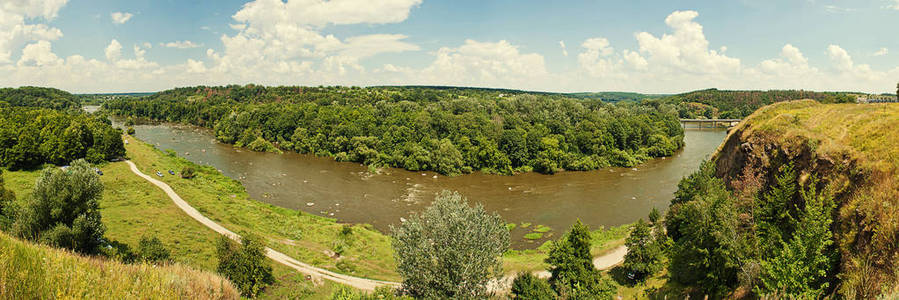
356 282
608 260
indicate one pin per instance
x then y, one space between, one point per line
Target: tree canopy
39 97
32 137
451 250
64 209
451 131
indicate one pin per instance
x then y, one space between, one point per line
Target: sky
92 46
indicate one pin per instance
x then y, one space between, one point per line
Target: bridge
712 123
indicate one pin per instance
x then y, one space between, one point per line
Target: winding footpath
614 257
356 282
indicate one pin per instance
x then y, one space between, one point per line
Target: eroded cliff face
865 227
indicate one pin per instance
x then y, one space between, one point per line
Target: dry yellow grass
29 271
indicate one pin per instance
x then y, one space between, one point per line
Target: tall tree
644 253
63 209
573 273
801 267
451 250
245 264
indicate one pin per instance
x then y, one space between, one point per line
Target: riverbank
224 200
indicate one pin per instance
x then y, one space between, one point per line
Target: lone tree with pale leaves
451 250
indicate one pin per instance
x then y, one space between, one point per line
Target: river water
350 193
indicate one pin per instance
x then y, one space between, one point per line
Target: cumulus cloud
120 17
686 49
564 49
38 54
180 44
882 52
483 64
894 5
16 28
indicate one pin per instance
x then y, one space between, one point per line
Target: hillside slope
29 271
853 150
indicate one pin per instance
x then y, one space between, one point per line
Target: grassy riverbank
29 271
132 207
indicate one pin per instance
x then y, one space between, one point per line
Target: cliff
852 150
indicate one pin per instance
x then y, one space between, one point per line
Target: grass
303 236
541 229
533 236
604 240
29 271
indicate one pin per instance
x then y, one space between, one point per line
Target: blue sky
643 46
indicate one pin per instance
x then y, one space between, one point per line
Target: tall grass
29 271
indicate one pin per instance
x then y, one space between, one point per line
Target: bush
63 209
151 249
528 287
188 172
130 131
7 199
245 264
381 293
451 250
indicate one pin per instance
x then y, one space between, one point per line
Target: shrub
151 249
188 172
245 264
451 250
381 293
528 287
130 131
63 209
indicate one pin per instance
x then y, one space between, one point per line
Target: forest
41 97
448 130
714 103
45 125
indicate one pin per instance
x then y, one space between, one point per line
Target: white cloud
686 49
15 27
181 44
39 54
268 14
484 64
564 49
113 51
882 52
120 17
894 5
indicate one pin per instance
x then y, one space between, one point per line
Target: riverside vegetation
450 131
799 202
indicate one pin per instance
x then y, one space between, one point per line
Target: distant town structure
876 98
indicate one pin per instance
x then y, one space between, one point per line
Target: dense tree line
779 244
31 137
30 96
450 131
714 103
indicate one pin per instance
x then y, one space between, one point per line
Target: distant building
876 98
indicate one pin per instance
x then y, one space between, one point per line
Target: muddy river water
349 192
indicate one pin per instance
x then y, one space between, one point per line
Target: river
350 193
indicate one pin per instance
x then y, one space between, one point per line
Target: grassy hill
29 271
854 151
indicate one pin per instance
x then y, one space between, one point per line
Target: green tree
775 211
245 264
151 249
644 254
702 224
573 273
451 250
801 268
63 209
526 286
